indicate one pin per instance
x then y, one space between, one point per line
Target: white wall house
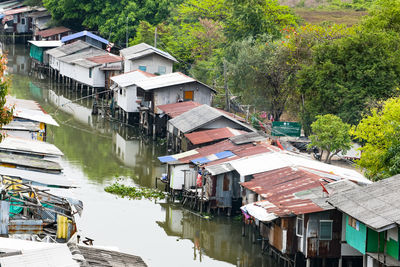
173 88
126 93
78 68
56 53
147 58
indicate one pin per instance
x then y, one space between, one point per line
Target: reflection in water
219 238
96 152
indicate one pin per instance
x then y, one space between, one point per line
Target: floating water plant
132 192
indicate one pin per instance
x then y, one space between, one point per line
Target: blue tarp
166 159
217 156
84 33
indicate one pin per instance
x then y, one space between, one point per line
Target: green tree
259 71
347 73
109 17
384 15
379 133
330 134
251 18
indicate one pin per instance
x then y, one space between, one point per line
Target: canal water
97 152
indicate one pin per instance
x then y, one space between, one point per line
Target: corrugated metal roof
175 109
219 168
248 138
5 4
278 189
179 156
200 116
166 80
109 258
237 151
15 144
29 110
130 78
46 43
39 14
22 126
213 157
53 31
68 49
319 198
84 33
108 58
207 136
143 49
17 11
258 164
376 205
39 178
29 162
35 254
34 115
83 55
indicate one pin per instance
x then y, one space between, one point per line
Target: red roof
105 59
148 74
16 11
176 109
243 150
207 136
279 186
53 31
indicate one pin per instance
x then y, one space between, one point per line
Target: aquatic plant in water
132 192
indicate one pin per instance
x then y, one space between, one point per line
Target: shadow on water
97 151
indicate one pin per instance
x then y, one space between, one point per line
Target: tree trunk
327 157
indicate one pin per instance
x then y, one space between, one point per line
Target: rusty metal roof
109 58
175 109
278 187
17 11
207 136
226 145
53 31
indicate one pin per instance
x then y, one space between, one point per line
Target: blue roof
84 33
212 157
166 159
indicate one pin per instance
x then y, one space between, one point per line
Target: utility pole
155 37
228 104
127 31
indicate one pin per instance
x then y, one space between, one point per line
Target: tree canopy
330 135
379 133
348 73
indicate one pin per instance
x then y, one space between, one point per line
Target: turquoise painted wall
356 238
36 53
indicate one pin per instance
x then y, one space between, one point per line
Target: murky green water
96 152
